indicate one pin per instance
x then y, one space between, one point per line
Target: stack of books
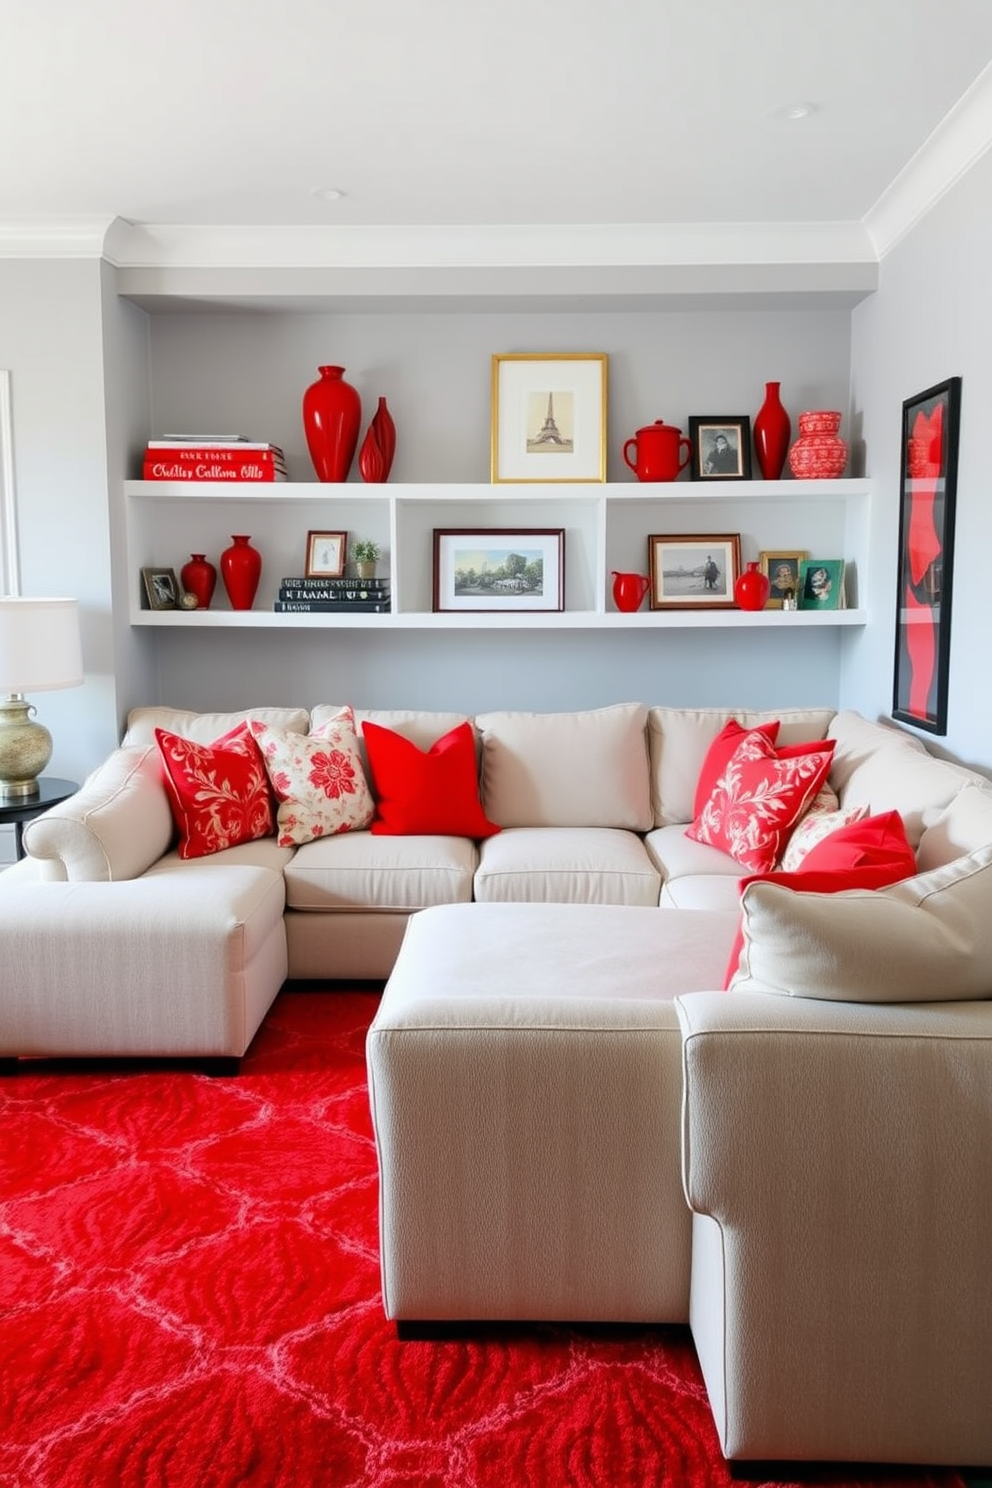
343 596
213 457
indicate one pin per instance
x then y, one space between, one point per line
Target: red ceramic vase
332 414
819 453
199 577
241 569
772 432
751 589
375 458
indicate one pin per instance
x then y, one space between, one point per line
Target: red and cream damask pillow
219 793
818 823
758 799
317 778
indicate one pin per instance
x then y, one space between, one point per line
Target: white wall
928 321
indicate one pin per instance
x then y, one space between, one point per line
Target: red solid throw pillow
868 854
432 792
719 755
219 793
758 800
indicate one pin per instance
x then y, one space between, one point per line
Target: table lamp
39 652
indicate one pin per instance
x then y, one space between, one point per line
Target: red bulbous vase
199 577
751 589
241 569
772 432
375 458
332 415
819 453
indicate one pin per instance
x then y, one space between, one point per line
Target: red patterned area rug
189 1298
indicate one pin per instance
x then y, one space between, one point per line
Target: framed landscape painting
694 572
499 568
928 488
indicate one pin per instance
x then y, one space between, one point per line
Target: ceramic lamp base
25 749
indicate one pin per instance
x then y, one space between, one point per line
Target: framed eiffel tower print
549 417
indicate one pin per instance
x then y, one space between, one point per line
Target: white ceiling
470 112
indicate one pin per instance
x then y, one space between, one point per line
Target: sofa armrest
114 827
838 1160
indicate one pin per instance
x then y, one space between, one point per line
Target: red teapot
658 452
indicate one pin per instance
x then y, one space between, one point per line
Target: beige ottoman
525 1079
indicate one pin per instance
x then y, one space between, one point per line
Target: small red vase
199 577
375 458
819 453
751 589
241 569
332 415
772 432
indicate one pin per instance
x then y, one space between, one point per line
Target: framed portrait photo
928 493
821 584
548 417
694 572
721 447
781 568
161 588
325 555
499 568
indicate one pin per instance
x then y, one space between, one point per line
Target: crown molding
959 141
76 237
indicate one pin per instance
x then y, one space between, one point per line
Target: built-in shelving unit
606 528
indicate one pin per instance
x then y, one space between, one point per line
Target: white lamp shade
39 645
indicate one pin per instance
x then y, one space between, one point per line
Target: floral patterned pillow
817 824
219 793
317 778
757 801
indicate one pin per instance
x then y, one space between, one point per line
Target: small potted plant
365 554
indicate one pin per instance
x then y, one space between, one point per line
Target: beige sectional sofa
572 1121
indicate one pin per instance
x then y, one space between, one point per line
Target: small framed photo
326 554
499 568
694 572
781 568
161 588
721 447
821 584
549 417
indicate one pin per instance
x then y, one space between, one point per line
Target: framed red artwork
930 423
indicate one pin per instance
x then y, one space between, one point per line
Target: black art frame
929 472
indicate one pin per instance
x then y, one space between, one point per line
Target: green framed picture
821 584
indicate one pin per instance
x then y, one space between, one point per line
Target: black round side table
50 792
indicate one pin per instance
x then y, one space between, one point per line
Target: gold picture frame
548 417
781 567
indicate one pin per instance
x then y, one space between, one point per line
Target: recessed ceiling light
795 111
327 193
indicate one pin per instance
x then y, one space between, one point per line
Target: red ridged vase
375 458
772 432
751 589
199 577
241 569
332 415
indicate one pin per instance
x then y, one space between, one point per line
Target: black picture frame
721 446
928 492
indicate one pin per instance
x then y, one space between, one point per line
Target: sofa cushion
204 727
678 739
219 793
926 939
113 828
963 827
812 829
566 865
421 726
433 790
587 769
356 871
317 778
757 801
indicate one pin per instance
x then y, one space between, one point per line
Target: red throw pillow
433 792
219 793
868 854
719 755
758 800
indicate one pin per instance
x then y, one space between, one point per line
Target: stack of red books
221 457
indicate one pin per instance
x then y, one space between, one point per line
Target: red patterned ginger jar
751 589
241 569
819 453
332 414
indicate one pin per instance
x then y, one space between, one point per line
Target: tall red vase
241 569
772 432
751 589
332 414
375 458
199 577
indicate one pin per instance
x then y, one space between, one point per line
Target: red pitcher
628 590
658 452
